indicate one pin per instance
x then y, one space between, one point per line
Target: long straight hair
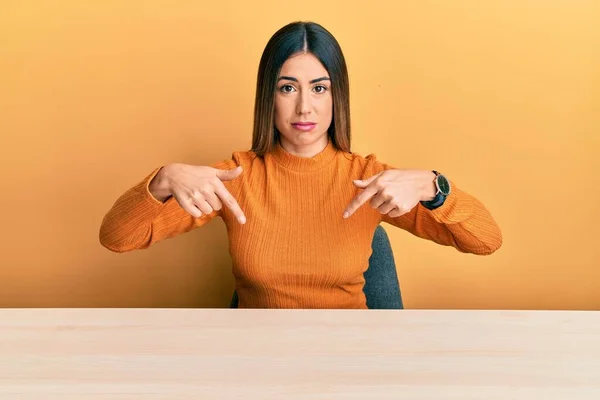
305 37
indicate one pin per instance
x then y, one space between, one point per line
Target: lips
304 126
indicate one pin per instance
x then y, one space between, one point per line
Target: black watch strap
437 201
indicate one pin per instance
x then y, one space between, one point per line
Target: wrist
441 191
159 186
428 187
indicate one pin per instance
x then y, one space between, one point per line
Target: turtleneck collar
304 164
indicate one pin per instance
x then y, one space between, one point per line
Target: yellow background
502 96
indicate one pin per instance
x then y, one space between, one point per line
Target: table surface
298 354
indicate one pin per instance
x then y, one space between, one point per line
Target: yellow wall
501 96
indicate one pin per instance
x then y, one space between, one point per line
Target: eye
324 89
285 88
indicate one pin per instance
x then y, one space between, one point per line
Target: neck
300 161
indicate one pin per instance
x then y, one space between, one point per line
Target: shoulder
245 157
238 158
369 164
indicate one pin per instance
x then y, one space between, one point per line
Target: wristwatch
442 185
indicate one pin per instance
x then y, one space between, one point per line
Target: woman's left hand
394 192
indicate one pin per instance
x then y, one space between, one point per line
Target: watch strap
439 198
436 202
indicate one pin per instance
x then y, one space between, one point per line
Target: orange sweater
296 250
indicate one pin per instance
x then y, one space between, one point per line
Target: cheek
282 109
280 115
327 106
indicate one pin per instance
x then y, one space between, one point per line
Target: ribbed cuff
445 212
144 189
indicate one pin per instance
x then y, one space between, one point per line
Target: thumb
228 175
363 183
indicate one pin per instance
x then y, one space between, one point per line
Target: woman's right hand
198 189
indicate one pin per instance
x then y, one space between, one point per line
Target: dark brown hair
293 38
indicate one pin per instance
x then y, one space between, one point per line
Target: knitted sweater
296 250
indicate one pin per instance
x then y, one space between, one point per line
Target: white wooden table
300 354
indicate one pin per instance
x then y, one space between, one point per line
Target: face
303 105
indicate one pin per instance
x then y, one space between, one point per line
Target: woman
300 207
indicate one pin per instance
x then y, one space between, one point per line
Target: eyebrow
291 78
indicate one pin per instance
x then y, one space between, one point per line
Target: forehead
303 66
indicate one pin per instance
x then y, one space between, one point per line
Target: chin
306 138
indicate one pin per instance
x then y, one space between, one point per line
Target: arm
462 222
137 219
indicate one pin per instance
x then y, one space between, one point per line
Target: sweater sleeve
137 220
462 222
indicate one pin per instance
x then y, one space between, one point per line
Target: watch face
443 184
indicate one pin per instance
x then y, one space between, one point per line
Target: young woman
300 207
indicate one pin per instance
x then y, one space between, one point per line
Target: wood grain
298 354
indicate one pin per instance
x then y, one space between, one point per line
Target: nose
304 105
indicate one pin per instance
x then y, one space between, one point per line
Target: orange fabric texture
296 250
